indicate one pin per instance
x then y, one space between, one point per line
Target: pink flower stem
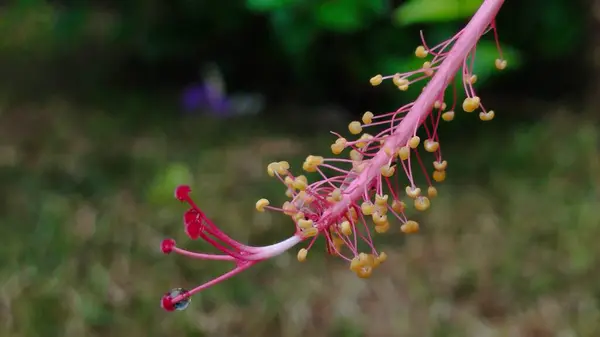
421 108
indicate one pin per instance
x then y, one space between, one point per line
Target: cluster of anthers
370 182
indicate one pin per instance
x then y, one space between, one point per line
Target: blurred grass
508 249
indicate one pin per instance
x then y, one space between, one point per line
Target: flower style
367 183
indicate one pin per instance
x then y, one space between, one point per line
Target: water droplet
182 304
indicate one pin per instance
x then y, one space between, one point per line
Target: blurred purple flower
204 97
210 96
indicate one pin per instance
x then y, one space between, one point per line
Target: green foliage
268 5
300 25
340 16
434 11
30 26
160 190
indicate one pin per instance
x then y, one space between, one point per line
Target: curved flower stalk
362 191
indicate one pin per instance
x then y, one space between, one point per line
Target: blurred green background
105 108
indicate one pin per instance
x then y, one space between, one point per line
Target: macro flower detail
369 185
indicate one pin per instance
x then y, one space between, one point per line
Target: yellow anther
337 148
305 197
388 171
311 163
289 208
367 208
360 142
272 168
439 176
366 260
430 145
500 64
473 79
432 192
289 193
346 228
382 228
422 203
381 209
341 140
288 181
310 232
382 257
487 116
317 160
355 127
300 183
439 105
410 227
336 195
398 206
403 87
261 204
366 137
375 261
404 153
379 219
421 52
367 117
339 145
305 223
399 81
283 167
414 142
306 166
470 104
309 167
376 80
381 200
298 216
362 265
427 68
355 264
302 253
440 166
387 150
355 155
412 192
365 272
448 116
